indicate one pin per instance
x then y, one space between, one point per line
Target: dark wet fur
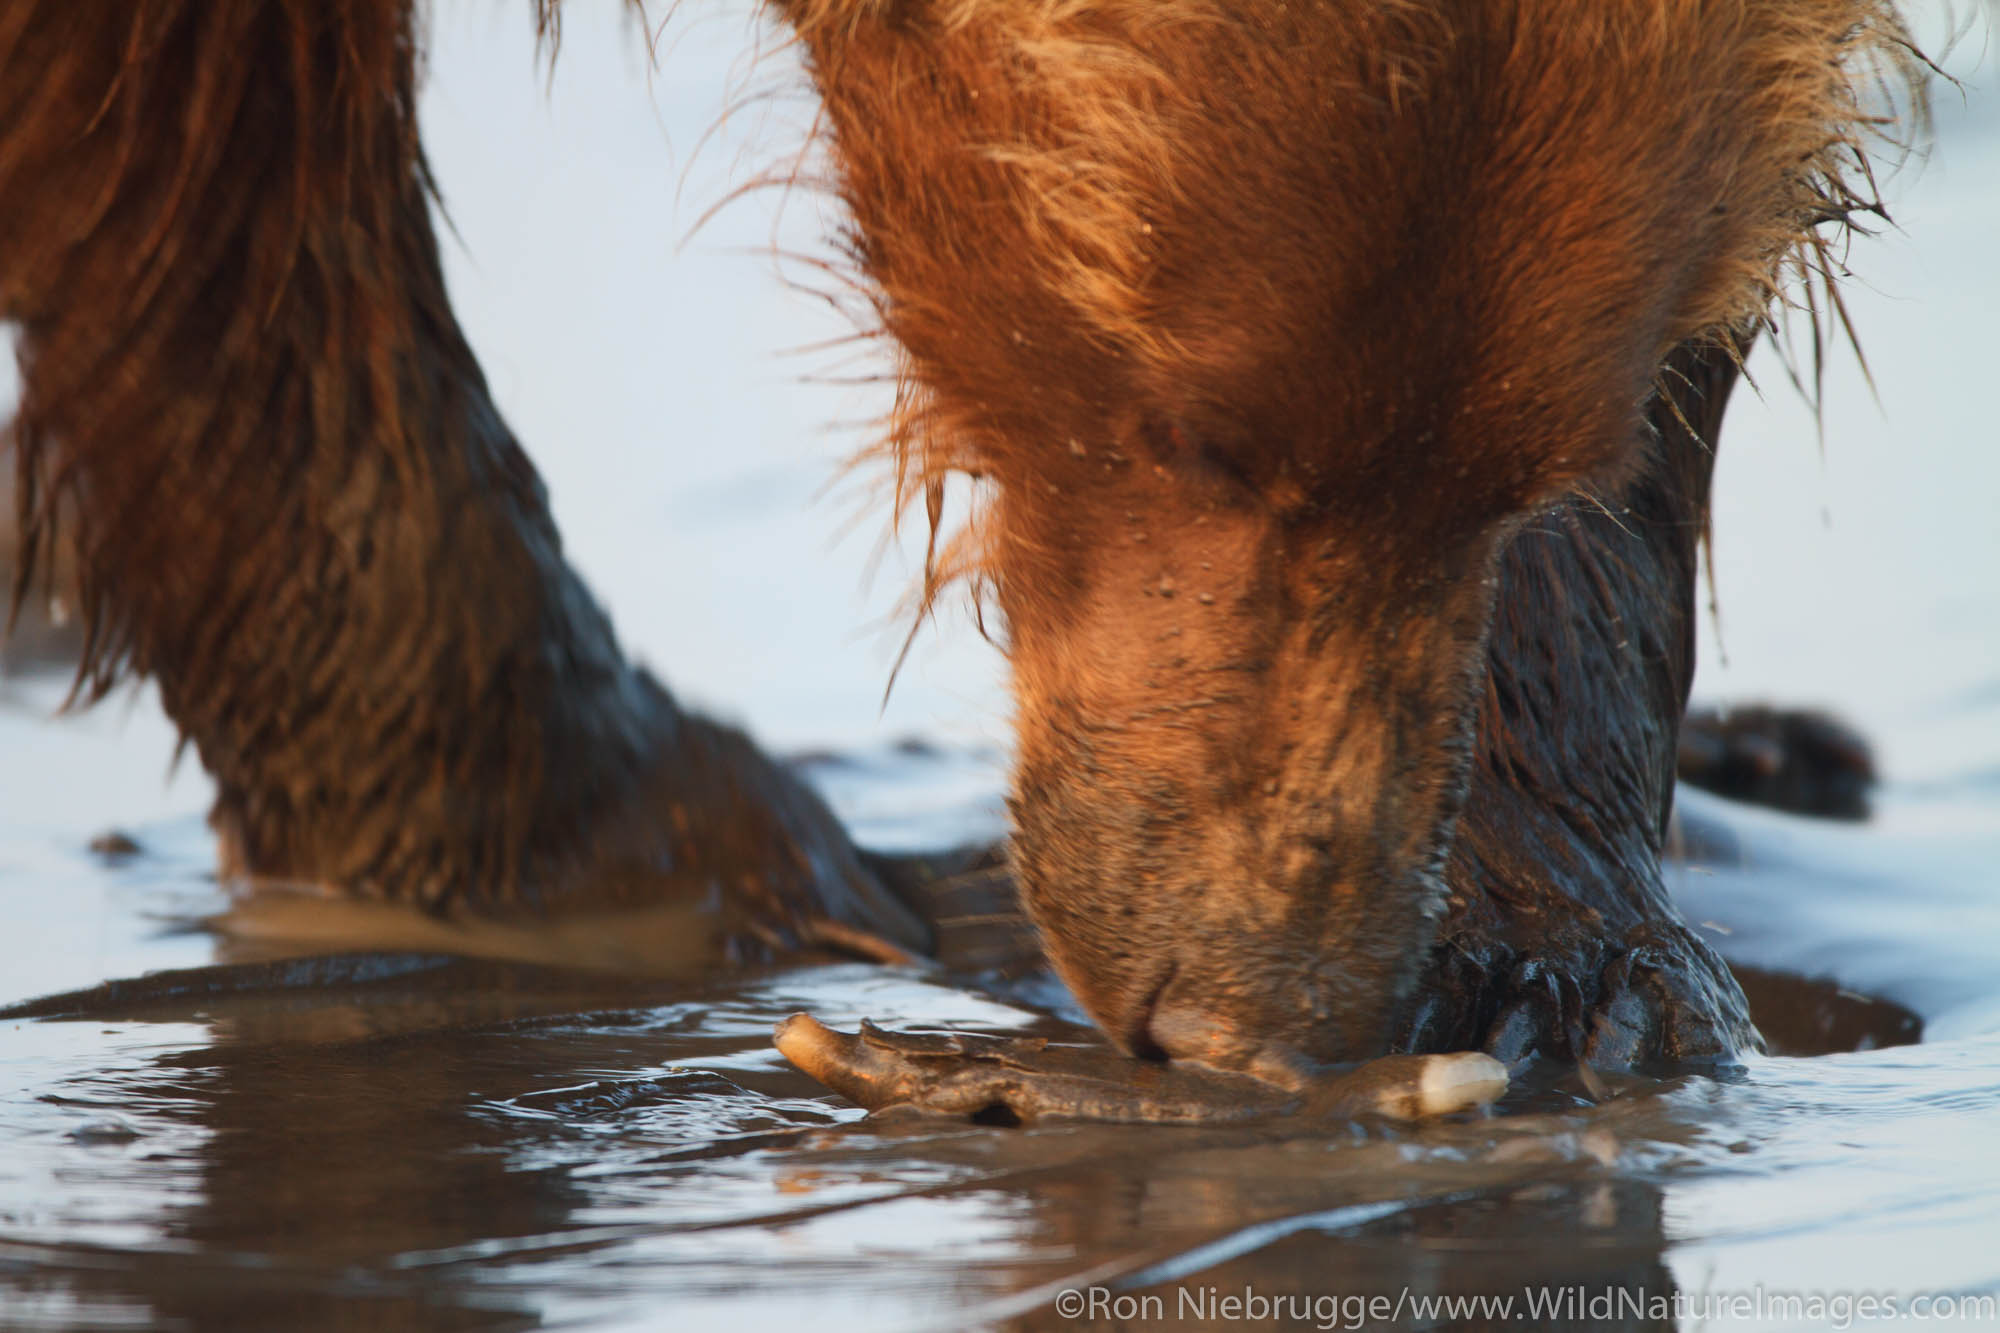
1560 935
295 507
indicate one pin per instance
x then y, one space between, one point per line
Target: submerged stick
1030 1078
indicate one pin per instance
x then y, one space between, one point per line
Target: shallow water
425 1142
409 1140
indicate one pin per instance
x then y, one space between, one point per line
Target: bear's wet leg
296 508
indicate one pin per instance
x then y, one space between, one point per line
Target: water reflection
453 1147
421 1142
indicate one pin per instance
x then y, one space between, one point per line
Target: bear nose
1177 1025
1184 1032
1156 1021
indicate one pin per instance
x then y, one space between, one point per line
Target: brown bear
1345 377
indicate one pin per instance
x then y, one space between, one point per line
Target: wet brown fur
295 507
1346 376
1092 154
1271 326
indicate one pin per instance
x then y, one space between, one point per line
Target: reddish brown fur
1159 202
1269 324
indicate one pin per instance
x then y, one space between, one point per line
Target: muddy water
224 1136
